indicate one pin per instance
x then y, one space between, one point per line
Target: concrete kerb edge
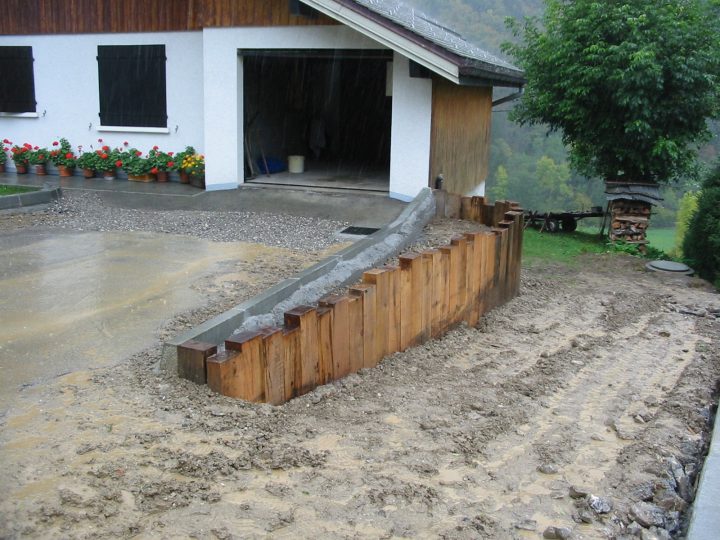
312 283
705 518
31 198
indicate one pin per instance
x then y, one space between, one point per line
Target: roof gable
422 39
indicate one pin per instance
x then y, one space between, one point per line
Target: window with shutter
17 82
132 85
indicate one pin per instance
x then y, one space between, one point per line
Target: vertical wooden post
427 283
326 369
466 208
453 255
355 331
452 206
411 303
393 277
340 336
222 369
381 279
248 381
462 244
305 318
366 294
274 354
473 274
291 361
490 242
476 208
432 263
509 244
192 357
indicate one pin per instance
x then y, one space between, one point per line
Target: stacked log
629 220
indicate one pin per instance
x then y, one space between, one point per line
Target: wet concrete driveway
85 300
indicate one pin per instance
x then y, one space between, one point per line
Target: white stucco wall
66 91
222 51
411 122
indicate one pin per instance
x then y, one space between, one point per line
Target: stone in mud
647 514
668 500
583 516
634 529
527 525
601 505
557 533
578 493
654 533
548 468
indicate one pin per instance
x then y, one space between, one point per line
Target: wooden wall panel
460 136
106 16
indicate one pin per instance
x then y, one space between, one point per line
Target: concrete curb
705 519
21 200
342 268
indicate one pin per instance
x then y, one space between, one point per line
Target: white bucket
296 164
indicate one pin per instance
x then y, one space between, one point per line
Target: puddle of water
75 301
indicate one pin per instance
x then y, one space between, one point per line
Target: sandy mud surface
584 405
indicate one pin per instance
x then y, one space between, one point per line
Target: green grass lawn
13 190
662 238
560 247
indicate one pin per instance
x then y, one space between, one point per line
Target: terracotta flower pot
109 175
2 168
184 177
197 181
40 169
65 171
88 173
21 168
162 176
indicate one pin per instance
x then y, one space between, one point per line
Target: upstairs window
17 82
132 85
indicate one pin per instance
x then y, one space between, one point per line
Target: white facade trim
19 115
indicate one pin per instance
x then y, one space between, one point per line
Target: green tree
629 84
686 211
499 190
702 241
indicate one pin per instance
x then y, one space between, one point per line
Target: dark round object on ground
551 226
568 224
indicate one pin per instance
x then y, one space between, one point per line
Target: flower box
141 177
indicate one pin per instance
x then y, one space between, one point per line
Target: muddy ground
584 404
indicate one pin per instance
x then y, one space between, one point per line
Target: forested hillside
527 163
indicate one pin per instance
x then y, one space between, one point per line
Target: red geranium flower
138 153
106 148
155 147
118 163
7 142
27 146
55 143
154 170
99 140
69 155
42 156
171 154
103 156
170 163
125 143
36 148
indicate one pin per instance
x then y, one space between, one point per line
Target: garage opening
318 118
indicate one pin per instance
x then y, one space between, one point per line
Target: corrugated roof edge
472 71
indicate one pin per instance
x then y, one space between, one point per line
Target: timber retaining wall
391 309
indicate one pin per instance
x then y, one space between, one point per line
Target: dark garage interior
331 107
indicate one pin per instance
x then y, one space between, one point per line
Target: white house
360 88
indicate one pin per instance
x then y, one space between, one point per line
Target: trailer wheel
551 226
569 224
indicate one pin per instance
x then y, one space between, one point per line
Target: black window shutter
132 85
17 82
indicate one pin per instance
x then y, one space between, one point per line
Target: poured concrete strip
342 268
705 520
31 198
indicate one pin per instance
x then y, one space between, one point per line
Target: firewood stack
629 220
629 208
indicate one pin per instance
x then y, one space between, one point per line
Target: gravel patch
86 212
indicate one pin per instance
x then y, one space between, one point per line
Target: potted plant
137 167
20 155
162 163
39 157
87 161
3 155
179 158
194 165
63 157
